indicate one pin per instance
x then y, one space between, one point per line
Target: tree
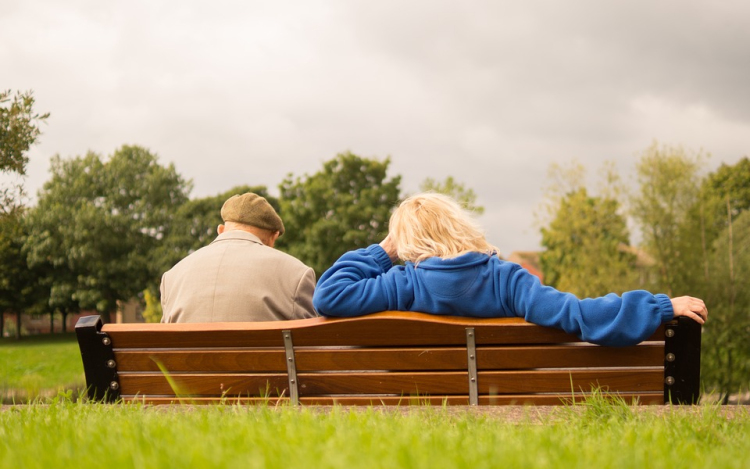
343 207
726 346
458 191
19 129
723 216
20 288
97 223
728 185
668 178
586 247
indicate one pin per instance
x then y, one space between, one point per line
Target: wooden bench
390 358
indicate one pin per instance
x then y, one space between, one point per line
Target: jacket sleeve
609 320
355 285
163 294
303 306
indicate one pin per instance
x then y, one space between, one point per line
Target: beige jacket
237 278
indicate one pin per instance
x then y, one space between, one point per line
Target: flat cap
252 209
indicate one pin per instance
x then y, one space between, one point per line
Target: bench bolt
106 341
670 357
114 385
670 380
111 363
670 332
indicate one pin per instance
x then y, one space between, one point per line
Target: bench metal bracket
98 357
682 361
471 351
291 367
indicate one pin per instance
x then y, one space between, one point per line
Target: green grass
600 435
39 366
60 433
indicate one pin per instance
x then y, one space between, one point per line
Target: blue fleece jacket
366 281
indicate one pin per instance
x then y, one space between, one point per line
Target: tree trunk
51 322
18 324
64 321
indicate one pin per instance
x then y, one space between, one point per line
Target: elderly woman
451 269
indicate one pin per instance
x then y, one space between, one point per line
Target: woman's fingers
693 308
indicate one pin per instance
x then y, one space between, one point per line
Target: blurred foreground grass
40 365
598 434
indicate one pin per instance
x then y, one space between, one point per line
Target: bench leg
682 362
98 360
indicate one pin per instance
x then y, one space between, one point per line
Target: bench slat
387 328
517 399
400 383
448 358
555 356
259 384
201 360
489 382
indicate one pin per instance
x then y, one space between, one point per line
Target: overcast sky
489 92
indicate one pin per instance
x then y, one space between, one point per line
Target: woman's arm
608 320
355 284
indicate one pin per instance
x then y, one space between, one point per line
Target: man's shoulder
244 252
288 259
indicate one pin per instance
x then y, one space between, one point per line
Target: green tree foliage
586 247
19 129
726 350
97 223
697 232
722 194
724 237
726 188
152 312
458 191
343 207
668 180
21 290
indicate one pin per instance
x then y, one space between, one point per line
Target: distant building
130 311
529 260
644 264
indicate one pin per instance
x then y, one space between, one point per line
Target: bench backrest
383 358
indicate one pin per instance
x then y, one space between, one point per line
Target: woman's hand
693 308
390 248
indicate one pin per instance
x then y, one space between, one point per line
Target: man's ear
272 239
220 229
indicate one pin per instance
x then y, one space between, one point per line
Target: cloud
489 92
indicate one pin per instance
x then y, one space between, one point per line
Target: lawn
600 435
39 366
58 432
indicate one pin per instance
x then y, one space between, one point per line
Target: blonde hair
434 225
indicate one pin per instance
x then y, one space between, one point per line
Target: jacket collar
467 260
237 234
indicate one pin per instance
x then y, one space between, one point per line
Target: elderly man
240 276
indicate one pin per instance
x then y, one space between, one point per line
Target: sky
488 92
